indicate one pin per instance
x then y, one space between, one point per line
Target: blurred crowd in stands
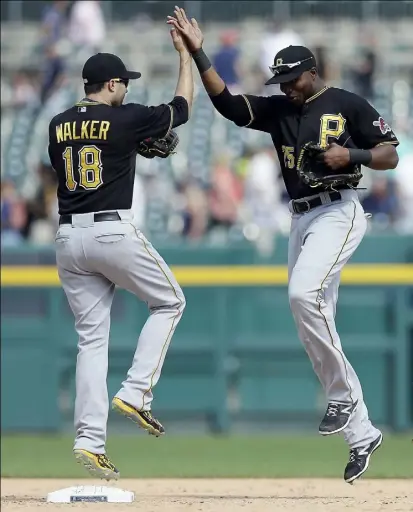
245 196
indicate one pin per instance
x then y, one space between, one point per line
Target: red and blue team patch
381 123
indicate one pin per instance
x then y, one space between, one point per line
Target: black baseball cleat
336 418
359 460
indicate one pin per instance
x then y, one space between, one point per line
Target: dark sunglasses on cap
279 69
121 81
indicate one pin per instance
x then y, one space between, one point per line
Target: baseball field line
236 275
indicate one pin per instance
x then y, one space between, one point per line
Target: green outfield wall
235 357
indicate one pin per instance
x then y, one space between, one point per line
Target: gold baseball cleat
142 418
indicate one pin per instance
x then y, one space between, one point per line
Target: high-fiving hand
179 43
189 30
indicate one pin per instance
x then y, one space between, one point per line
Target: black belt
98 217
300 206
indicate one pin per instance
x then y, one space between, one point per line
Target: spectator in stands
225 194
87 28
52 74
363 74
320 56
53 30
402 175
226 60
13 215
23 90
42 209
404 182
262 202
242 164
277 37
382 202
193 209
54 22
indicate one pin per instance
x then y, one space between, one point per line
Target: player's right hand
179 43
189 29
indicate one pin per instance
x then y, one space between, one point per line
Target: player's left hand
336 156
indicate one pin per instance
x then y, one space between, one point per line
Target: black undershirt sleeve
256 112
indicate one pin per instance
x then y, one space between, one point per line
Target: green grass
235 456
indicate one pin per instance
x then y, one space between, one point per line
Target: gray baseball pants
321 243
91 259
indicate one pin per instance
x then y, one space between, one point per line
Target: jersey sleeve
368 128
264 110
152 121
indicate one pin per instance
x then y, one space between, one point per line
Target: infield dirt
261 495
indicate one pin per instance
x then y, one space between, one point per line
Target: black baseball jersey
331 115
92 147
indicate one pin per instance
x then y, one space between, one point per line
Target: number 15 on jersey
289 160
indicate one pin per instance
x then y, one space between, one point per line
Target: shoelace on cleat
105 462
353 455
332 409
150 418
356 456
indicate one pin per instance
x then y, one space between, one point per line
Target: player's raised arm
243 110
185 85
194 38
158 121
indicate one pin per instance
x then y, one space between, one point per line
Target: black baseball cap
290 63
103 67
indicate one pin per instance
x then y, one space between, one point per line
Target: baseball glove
315 173
151 147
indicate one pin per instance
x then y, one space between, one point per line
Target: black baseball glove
151 147
315 173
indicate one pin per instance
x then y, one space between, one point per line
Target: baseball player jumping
93 147
322 136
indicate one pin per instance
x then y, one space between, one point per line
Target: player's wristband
360 156
201 60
